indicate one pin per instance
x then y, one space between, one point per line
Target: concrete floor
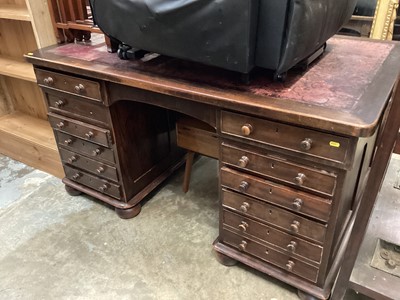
54 246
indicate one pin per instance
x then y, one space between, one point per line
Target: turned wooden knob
297 203
80 88
59 103
89 135
244 185
244 207
100 170
247 129
242 246
68 142
290 265
103 188
60 125
72 159
292 246
48 81
96 152
300 178
243 161
243 226
295 226
306 144
76 176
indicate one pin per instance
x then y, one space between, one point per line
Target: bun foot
225 260
304 296
71 191
129 212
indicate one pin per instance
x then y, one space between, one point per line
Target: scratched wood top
344 91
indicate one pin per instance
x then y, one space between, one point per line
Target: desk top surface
344 91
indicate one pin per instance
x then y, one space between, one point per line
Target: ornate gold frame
385 14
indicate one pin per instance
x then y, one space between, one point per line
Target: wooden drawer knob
100 170
245 207
76 176
68 142
295 226
242 246
306 144
297 203
247 129
292 246
59 103
96 152
103 188
48 81
243 161
290 265
244 185
243 226
61 125
80 88
72 159
89 135
300 178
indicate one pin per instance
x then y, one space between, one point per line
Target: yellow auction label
334 144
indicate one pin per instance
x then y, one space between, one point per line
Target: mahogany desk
294 157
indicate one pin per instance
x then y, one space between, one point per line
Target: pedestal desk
293 156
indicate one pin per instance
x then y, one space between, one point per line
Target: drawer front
82 130
74 85
310 142
274 193
84 147
274 168
93 182
271 256
86 109
270 214
88 164
288 243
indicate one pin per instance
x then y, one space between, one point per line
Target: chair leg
188 171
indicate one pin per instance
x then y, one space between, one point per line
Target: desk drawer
82 130
84 108
271 256
290 244
88 164
270 214
310 142
281 170
74 85
84 147
93 182
274 193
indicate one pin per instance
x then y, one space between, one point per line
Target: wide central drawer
272 256
277 194
270 214
309 142
279 169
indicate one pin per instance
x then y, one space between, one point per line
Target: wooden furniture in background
293 162
25 134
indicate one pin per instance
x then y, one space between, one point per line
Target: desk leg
129 212
71 191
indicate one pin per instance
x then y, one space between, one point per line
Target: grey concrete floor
54 246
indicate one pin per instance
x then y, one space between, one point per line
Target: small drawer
310 142
76 106
288 243
74 85
88 164
93 182
271 256
277 194
84 147
82 130
279 169
278 217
